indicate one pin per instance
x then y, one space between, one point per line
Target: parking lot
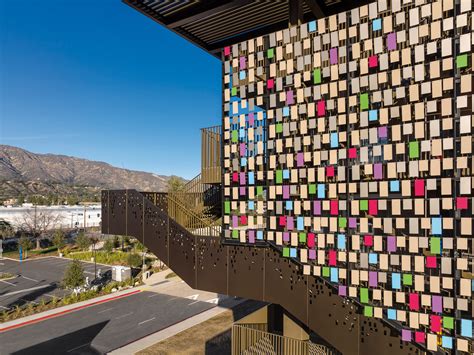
36 279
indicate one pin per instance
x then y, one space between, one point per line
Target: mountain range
26 173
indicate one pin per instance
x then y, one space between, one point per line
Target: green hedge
115 258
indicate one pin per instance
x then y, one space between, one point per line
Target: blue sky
98 80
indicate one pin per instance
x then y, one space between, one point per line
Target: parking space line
25 290
8 283
145 321
154 295
193 303
28 278
106 310
78 347
124 315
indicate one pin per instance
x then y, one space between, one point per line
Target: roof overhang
214 24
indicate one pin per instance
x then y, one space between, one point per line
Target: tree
25 244
58 239
82 241
36 222
20 199
74 275
175 184
72 200
6 229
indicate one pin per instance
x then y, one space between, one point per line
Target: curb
66 311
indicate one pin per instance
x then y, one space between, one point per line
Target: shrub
58 239
134 260
108 245
74 275
82 241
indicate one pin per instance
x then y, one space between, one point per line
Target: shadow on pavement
23 298
78 342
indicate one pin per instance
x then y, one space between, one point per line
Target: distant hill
26 173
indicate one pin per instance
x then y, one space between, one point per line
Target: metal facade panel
182 253
117 212
246 276
211 265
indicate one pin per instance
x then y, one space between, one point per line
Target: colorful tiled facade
348 144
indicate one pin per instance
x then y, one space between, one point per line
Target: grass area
33 253
43 305
6 275
171 275
103 257
212 337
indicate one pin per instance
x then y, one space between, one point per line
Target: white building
69 216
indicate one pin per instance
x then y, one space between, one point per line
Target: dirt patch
212 337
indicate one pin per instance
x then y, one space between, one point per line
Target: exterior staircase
188 244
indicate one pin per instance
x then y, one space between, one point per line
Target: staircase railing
211 154
251 341
201 198
191 220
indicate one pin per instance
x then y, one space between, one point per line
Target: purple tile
392 41
242 191
243 63
352 222
333 55
406 335
235 221
251 236
242 179
300 159
378 172
289 98
437 304
251 119
383 132
373 277
242 149
391 244
286 192
312 254
286 236
317 208
290 225
342 290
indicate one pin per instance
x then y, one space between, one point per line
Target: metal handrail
249 340
190 220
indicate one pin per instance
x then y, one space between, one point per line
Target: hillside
26 173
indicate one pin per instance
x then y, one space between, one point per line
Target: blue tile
373 115
377 24
312 26
394 186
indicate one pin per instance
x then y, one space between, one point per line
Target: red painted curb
49 316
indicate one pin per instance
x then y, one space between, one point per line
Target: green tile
235 136
448 322
279 176
227 207
368 311
317 76
364 205
234 91
302 237
312 189
414 150
286 252
235 233
259 190
364 295
342 222
408 279
435 247
364 101
325 271
461 61
270 52
279 127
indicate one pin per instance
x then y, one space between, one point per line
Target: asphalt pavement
36 279
101 328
